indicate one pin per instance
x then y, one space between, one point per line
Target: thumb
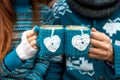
93 30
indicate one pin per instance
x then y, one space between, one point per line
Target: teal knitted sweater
12 68
83 67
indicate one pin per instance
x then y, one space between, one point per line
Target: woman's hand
101 47
31 38
27 48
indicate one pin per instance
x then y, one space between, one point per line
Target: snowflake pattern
84 66
61 7
112 26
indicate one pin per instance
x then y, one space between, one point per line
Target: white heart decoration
81 42
52 43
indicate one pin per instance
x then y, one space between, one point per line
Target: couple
19 53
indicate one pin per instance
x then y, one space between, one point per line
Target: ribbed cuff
76 43
12 61
51 42
115 72
117 60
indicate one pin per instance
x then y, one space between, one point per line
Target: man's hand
101 47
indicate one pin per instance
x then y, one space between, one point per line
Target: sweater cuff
117 60
115 72
12 61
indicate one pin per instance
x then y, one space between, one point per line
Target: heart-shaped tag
81 42
52 43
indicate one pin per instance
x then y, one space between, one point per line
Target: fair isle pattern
112 27
100 68
23 23
61 8
82 64
109 26
117 42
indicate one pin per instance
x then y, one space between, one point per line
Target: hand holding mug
101 48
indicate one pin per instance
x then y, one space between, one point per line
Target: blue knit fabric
83 67
12 68
80 42
9 62
46 34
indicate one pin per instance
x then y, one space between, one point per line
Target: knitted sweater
12 68
83 67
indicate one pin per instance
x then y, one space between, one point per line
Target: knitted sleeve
55 69
34 68
39 69
27 71
13 60
114 72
